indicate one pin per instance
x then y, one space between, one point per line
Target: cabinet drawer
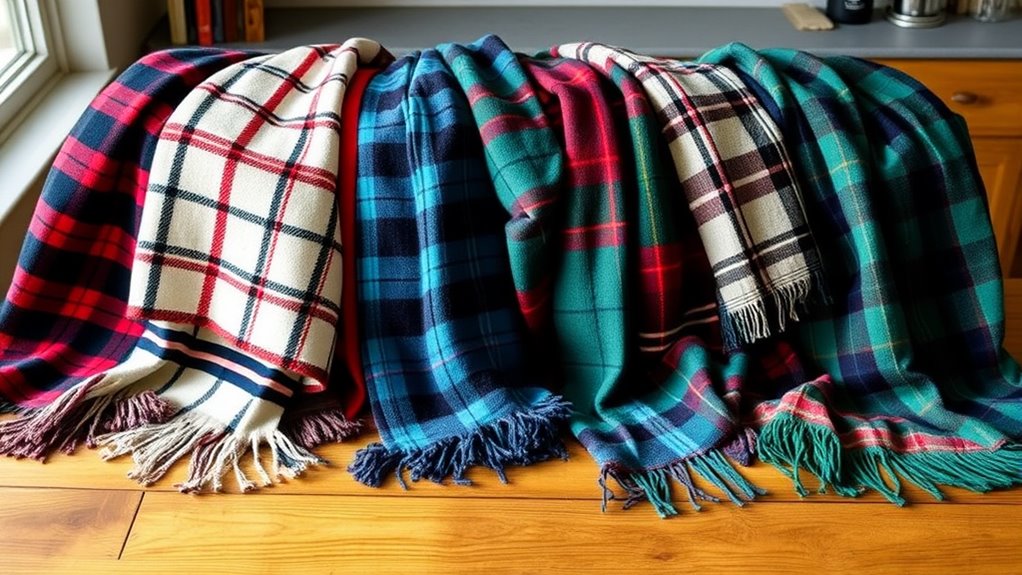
988 93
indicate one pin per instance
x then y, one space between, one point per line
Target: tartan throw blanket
919 385
64 318
214 173
238 268
577 164
450 382
737 178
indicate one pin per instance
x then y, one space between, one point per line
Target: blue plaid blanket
450 379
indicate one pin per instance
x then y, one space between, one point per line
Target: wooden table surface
78 514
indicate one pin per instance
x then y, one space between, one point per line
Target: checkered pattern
913 342
443 351
240 231
64 317
737 179
561 144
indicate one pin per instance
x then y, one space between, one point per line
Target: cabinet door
1000 165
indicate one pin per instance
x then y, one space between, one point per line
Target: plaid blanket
450 381
64 319
737 179
919 385
240 231
575 162
249 158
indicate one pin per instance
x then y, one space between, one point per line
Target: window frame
28 75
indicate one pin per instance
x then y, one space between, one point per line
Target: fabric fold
918 383
737 178
64 320
451 382
237 276
578 165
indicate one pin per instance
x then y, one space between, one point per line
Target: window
27 62
8 44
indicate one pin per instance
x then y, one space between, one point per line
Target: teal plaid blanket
918 384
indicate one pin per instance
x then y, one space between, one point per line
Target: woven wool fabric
240 231
574 165
737 178
919 384
450 380
64 320
217 188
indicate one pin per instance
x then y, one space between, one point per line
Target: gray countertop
677 32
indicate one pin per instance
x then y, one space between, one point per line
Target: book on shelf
209 22
178 21
254 31
204 22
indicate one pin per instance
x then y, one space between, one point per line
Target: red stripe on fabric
40 295
224 147
317 311
592 237
230 169
349 334
69 234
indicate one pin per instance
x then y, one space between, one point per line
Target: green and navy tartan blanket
917 383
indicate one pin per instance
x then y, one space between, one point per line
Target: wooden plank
1013 317
39 524
573 479
428 534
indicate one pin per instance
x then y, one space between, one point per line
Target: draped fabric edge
714 466
521 438
120 412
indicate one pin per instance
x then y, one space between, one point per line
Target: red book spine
204 22
230 21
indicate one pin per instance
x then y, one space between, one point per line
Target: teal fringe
654 485
789 444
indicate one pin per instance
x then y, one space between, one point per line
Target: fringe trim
522 438
743 447
789 443
311 429
750 321
744 324
74 418
654 485
214 452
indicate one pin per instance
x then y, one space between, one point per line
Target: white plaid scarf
238 268
739 183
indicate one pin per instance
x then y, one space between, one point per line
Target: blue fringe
519 439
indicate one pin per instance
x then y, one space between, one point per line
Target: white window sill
29 150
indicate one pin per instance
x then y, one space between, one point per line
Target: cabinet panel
988 93
1000 165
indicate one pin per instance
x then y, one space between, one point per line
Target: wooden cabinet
988 94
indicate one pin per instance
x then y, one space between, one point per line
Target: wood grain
427 534
996 84
1013 317
40 524
572 479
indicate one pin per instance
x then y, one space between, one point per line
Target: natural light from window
8 44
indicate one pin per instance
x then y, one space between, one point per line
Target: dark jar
850 11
